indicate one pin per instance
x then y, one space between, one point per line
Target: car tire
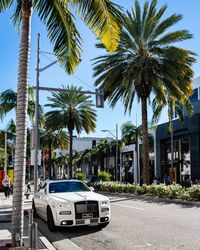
34 209
50 220
102 225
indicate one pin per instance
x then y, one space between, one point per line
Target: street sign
33 157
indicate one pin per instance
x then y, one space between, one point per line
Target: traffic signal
93 143
99 98
10 159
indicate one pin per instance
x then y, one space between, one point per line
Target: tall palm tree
145 62
72 109
102 17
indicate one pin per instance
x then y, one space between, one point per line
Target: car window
61 187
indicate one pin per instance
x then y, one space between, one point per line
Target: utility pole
5 155
36 137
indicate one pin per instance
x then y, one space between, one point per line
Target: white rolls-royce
67 203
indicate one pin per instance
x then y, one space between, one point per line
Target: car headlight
60 205
105 203
63 205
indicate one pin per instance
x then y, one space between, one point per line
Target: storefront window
181 159
185 158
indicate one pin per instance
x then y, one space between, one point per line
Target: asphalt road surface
137 224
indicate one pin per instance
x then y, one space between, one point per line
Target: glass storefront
181 160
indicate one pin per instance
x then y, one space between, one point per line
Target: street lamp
116 155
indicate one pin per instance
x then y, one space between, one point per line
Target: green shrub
81 176
194 192
174 191
104 176
141 189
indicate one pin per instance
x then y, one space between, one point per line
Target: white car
67 203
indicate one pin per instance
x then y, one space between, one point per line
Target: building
186 144
92 164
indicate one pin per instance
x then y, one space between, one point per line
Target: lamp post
116 151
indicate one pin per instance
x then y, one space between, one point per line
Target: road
137 224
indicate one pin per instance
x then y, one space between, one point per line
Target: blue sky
55 76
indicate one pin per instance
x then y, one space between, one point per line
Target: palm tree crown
73 110
8 102
146 62
131 133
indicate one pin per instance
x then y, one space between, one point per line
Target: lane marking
137 208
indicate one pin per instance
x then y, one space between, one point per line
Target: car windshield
70 186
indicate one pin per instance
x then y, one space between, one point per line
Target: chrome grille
86 209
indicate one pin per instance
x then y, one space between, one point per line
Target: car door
41 201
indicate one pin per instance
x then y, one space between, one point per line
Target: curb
48 244
154 199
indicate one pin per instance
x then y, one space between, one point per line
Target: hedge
174 191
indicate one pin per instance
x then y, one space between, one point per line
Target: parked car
67 203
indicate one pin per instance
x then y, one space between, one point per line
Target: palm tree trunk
49 161
21 123
145 141
70 152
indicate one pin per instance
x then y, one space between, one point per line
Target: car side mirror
91 188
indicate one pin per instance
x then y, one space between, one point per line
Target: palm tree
131 133
10 130
103 149
50 140
102 17
59 163
8 102
72 110
145 62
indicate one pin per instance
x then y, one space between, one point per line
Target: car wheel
34 209
50 221
102 225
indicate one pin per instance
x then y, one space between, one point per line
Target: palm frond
104 19
4 4
62 31
17 16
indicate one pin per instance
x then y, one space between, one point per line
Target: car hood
78 196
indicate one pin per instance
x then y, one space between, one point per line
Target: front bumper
70 220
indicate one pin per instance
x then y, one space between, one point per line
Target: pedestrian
6 184
28 187
40 182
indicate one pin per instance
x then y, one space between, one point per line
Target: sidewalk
5 224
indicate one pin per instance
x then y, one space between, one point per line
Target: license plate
87 216
87 221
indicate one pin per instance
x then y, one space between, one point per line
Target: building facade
186 144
